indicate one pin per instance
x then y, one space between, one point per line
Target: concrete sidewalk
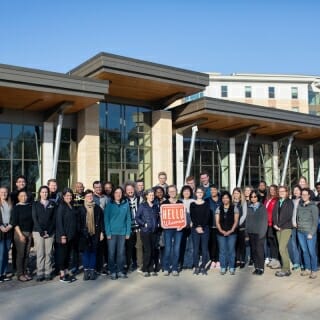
242 296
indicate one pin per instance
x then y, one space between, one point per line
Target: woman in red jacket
272 242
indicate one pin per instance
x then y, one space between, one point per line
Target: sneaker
64 279
139 270
295 267
40 278
122 275
258 272
217 265
242 264
223 271
305 273
47 277
196 271
313 275
204 272
6 278
213 265
175 273
274 264
250 264
267 261
232 271
165 273
146 274
154 274
1 279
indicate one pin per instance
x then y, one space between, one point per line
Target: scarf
90 217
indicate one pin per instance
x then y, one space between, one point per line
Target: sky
225 36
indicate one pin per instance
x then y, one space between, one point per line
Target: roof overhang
37 90
231 118
147 83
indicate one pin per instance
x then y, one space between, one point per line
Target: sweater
117 218
307 218
257 221
22 217
200 214
44 218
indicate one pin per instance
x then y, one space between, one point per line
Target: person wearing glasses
200 219
256 228
227 219
307 224
282 223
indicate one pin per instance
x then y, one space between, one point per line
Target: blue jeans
227 251
89 258
294 248
4 255
116 253
200 240
308 247
172 240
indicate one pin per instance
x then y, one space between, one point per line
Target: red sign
173 216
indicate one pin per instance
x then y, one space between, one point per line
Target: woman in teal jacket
117 220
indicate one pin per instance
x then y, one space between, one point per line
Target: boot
93 275
86 274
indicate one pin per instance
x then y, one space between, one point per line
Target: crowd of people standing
114 230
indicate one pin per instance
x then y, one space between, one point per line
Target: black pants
63 254
241 246
257 250
186 233
272 243
149 241
213 245
102 254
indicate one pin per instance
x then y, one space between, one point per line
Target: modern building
111 118
299 93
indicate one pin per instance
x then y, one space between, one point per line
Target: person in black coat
66 230
91 233
44 222
148 220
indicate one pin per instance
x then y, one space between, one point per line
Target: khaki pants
44 249
283 237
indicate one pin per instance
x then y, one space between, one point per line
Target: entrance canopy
27 89
143 83
231 118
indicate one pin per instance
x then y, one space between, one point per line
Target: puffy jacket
148 217
307 218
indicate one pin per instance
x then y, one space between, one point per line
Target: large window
125 143
20 154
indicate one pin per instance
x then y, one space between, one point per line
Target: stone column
311 167
47 151
161 145
275 162
179 160
88 156
232 164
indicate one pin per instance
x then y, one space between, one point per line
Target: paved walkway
242 296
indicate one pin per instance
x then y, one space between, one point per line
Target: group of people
113 230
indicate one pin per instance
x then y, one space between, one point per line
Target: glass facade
210 155
125 143
20 154
67 164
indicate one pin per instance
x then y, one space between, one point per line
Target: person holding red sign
200 218
172 239
147 218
